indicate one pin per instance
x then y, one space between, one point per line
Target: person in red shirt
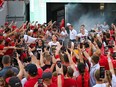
46 80
33 75
68 80
83 79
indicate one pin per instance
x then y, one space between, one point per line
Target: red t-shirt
54 80
40 71
10 51
104 62
53 85
86 79
1 47
69 82
31 82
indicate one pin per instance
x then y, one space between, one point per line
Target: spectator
6 61
14 81
99 81
32 72
73 33
83 79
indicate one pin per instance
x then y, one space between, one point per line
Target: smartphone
75 45
69 44
59 64
61 42
15 54
40 82
81 45
102 72
106 49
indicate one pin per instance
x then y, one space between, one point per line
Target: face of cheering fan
54 38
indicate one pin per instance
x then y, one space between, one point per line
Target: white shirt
100 85
113 81
23 81
82 35
29 39
63 33
52 43
48 33
105 27
73 34
92 72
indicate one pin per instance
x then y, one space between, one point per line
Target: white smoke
75 15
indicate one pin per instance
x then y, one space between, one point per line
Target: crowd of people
47 55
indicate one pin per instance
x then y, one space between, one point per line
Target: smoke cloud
78 14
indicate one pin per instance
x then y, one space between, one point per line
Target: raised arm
110 64
21 68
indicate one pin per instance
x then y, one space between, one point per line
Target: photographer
99 81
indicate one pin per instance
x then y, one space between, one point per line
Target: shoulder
15 70
1 73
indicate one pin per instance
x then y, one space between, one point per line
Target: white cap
68 24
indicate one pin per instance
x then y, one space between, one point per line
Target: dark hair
6 59
97 75
95 59
1 41
66 58
41 41
83 25
107 35
70 72
99 44
7 30
81 68
64 70
9 73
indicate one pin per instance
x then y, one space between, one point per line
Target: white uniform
73 34
51 43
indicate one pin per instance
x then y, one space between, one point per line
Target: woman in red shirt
83 79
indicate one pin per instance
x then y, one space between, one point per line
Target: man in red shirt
33 76
47 78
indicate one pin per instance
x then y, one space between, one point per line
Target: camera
61 42
102 72
75 45
106 49
114 55
40 82
59 64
